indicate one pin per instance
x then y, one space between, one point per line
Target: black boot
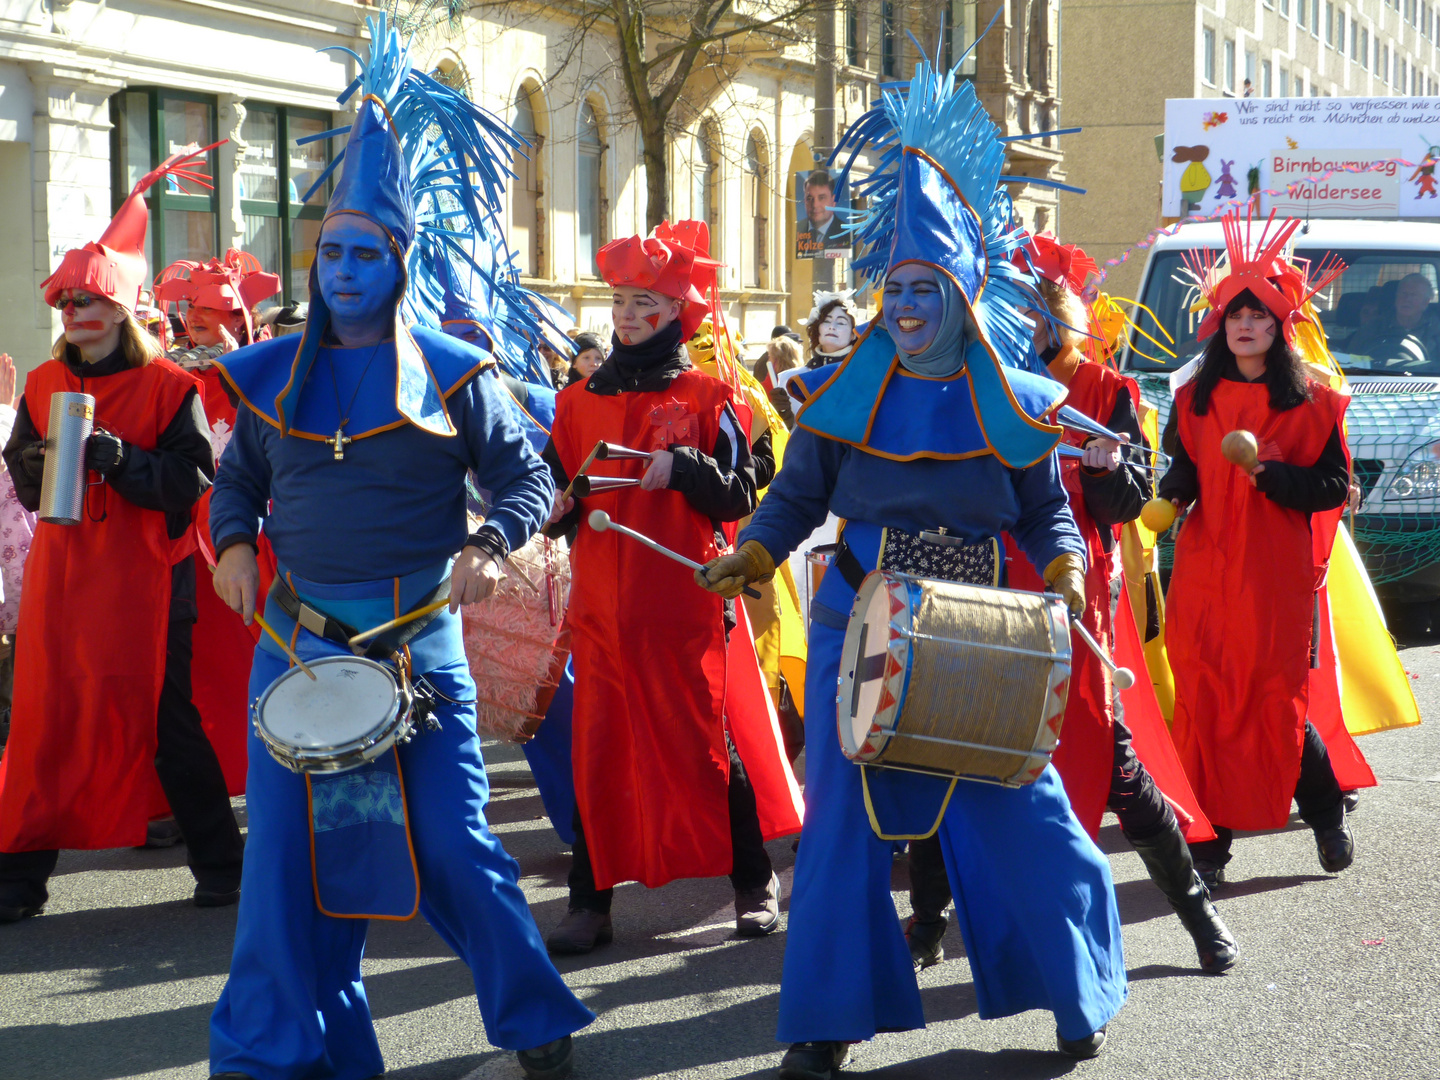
1167 860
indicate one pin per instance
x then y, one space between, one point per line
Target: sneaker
924 939
1336 848
215 895
757 911
579 932
814 1061
1088 1047
549 1062
15 912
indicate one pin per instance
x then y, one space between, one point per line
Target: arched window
591 203
450 72
755 262
526 188
706 170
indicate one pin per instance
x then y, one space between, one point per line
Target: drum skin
348 715
953 679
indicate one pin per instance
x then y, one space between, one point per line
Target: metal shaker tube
62 488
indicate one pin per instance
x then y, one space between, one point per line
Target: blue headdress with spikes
429 168
936 198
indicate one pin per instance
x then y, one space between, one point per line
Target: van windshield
1380 315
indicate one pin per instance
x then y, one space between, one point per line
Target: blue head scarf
945 355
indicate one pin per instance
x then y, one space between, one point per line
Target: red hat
1064 264
1257 262
114 267
664 267
694 236
236 283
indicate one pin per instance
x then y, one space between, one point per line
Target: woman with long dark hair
1244 600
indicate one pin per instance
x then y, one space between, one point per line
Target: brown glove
1066 575
728 574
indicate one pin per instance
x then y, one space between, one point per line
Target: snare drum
953 679
352 712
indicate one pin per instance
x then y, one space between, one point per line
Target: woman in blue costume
366 523
931 422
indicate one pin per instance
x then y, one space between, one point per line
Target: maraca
1157 515
1240 448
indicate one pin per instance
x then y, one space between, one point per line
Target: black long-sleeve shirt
723 485
1113 498
170 478
1309 489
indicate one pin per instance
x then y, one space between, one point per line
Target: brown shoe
757 911
579 932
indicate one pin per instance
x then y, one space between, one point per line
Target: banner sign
1303 157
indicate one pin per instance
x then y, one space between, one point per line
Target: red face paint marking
88 324
653 320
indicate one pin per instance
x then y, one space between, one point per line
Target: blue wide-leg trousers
294 1007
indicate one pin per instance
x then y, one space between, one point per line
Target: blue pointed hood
375 184
936 226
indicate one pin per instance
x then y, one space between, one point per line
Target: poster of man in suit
819 230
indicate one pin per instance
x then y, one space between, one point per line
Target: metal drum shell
349 754
62 487
817 561
1003 733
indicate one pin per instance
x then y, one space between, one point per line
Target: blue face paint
359 276
914 307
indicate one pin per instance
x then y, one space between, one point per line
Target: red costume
92 645
657 686
223 644
1247 590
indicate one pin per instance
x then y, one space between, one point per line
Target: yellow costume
775 616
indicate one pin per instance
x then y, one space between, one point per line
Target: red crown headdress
114 267
1064 264
1255 259
236 283
664 267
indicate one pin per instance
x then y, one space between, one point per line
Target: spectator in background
589 355
782 355
1248 89
17 527
1407 335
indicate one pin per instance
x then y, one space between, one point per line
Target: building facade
95 94
1123 59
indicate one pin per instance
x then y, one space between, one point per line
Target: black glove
32 461
105 453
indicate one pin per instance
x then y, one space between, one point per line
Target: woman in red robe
1251 558
103 720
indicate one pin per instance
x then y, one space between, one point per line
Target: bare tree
673 56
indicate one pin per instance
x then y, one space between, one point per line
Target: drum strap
848 565
332 629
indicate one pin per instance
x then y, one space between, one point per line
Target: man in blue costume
359 435
930 424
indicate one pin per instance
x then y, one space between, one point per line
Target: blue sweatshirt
396 503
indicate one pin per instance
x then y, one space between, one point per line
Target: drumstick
600 521
366 635
1123 676
598 450
294 658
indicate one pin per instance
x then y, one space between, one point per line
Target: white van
1383 323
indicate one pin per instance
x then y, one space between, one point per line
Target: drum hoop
392 721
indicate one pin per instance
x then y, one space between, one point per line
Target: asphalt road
1339 976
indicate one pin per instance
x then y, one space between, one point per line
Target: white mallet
1123 677
600 521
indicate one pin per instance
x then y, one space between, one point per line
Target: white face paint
836 332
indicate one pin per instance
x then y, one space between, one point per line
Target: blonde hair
784 353
137 344
1068 310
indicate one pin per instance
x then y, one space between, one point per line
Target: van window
1381 315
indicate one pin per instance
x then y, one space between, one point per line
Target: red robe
223 644
79 771
1085 758
652 697
1240 612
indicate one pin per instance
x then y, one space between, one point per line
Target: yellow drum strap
875 823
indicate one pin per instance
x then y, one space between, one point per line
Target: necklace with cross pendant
338 443
340 440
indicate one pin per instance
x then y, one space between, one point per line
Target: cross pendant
338 443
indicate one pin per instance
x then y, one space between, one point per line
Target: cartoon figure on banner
1424 175
1195 180
1213 120
1252 181
1226 190
822 205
